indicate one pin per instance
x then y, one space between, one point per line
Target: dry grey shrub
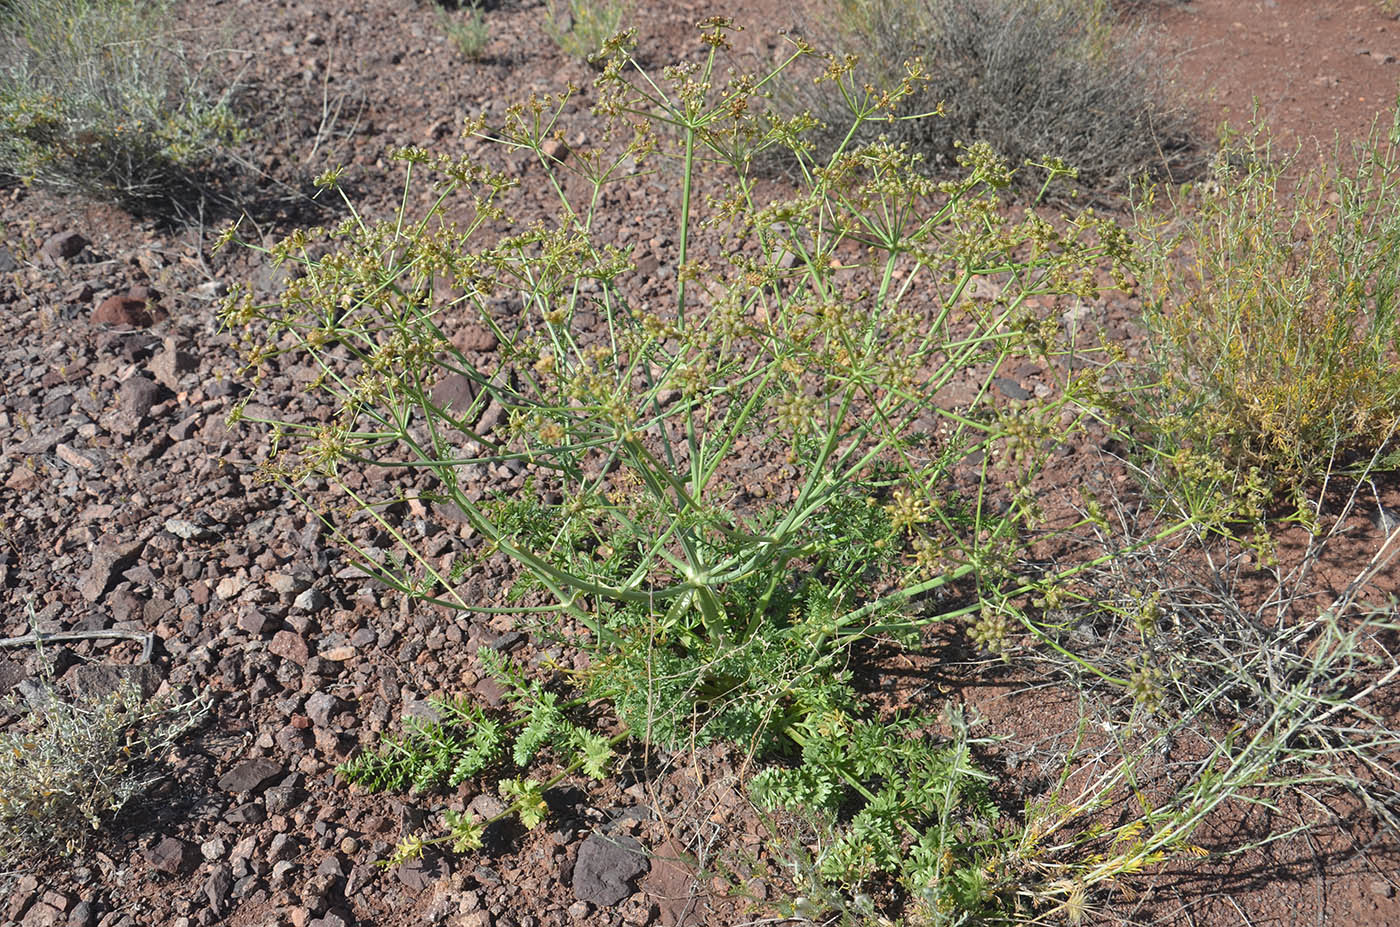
1291 663
1035 79
68 767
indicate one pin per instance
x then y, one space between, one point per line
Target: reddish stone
475 337
290 646
555 149
170 855
43 915
122 310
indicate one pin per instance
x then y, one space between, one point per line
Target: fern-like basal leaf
527 797
595 754
427 755
543 721
809 785
879 829
853 535
478 753
500 668
459 712
437 752
391 768
847 861
465 830
468 764
922 868
358 771
968 887
767 789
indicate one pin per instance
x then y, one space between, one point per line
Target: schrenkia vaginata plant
722 493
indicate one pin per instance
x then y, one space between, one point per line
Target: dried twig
147 638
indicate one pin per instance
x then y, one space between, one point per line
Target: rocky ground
129 505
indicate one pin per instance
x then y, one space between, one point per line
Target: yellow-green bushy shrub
97 99
1272 309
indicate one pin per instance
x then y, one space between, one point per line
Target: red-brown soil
307 662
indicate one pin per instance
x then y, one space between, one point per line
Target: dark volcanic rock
109 560
320 707
282 799
455 392
171 364
63 246
217 887
99 680
475 338
605 868
137 395
250 775
418 874
82 915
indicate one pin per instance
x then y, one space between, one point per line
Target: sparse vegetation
581 27
1211 697
468 30
825 350
98 98
706 617
848 509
